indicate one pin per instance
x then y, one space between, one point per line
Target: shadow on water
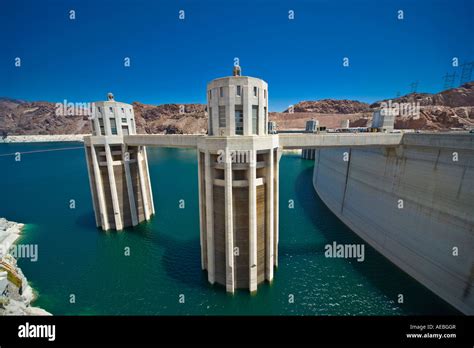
181 258
376 269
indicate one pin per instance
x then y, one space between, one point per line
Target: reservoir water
163 263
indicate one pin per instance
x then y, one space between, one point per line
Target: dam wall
414 203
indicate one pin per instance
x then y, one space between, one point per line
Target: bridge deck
163 140
302 141
287 141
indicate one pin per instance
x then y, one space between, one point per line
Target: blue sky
172 60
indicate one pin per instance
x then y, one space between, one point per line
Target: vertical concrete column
128 178
95 118
141 175
229 232
209 217
113 188
269 263
100 190
118 120
147 169
276 214
252 174
201 211
97 213
106 119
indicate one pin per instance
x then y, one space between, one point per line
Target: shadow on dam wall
375 268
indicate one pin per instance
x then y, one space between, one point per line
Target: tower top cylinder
112 118
237 105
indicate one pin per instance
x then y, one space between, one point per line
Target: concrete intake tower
238 185
118 173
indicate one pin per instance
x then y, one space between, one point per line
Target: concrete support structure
384 119
209 210
237 164
345 124
118 172
311 127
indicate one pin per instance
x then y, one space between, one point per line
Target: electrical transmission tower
414 86
466 72
449 80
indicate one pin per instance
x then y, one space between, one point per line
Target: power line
37 151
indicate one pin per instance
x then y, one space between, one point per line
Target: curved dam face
413 203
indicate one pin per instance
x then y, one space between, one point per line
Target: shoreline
16 295
43 138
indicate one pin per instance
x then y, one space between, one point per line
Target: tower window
221 91
123 111
255 91
265 115
239 91
222 116
239 120
210 94
265 93
113 126
255 119
209 131
111 110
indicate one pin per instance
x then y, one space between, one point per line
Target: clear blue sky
172 60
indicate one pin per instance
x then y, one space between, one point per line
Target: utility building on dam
361 177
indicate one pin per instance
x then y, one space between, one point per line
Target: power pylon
414 86
466 72
449 80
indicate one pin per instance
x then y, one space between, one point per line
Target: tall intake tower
118 174
238 185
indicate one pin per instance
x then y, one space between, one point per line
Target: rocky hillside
330 106
453 108
170 118
18 117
